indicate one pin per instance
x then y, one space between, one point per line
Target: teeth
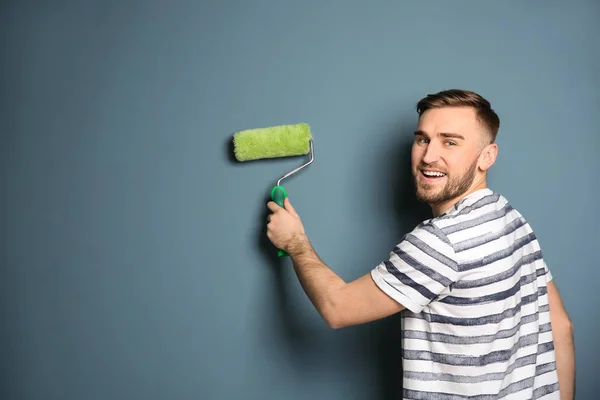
432 173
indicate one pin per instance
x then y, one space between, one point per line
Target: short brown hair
463 98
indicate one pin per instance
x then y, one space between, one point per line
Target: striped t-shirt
477 321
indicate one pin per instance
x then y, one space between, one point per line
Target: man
481 315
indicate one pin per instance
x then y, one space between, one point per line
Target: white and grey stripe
477 323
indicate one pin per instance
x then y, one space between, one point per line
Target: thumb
289 207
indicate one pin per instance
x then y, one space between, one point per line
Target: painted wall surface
134 262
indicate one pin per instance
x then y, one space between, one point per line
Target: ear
488 156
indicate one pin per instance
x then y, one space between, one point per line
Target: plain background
134 262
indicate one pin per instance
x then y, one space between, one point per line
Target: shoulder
428 244
474 215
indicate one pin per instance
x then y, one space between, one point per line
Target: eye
451 143
422 140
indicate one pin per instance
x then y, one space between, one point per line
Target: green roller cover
272 142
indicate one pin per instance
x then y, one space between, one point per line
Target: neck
440 208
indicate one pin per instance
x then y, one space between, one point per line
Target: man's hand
285 228
341 304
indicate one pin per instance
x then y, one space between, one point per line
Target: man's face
445 153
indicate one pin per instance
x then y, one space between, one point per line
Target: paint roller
274 142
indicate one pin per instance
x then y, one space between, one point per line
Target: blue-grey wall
134 264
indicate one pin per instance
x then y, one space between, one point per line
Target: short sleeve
419 269
547 272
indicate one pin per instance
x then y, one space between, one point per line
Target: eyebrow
443 134
452 135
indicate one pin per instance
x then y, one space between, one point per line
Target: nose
431 154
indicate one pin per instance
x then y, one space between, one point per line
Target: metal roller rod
312 157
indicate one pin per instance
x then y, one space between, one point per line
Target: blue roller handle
278 195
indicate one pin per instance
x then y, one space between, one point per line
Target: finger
289 207
273 206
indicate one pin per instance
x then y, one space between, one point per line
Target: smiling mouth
432 174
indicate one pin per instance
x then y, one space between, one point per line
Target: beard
454 187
